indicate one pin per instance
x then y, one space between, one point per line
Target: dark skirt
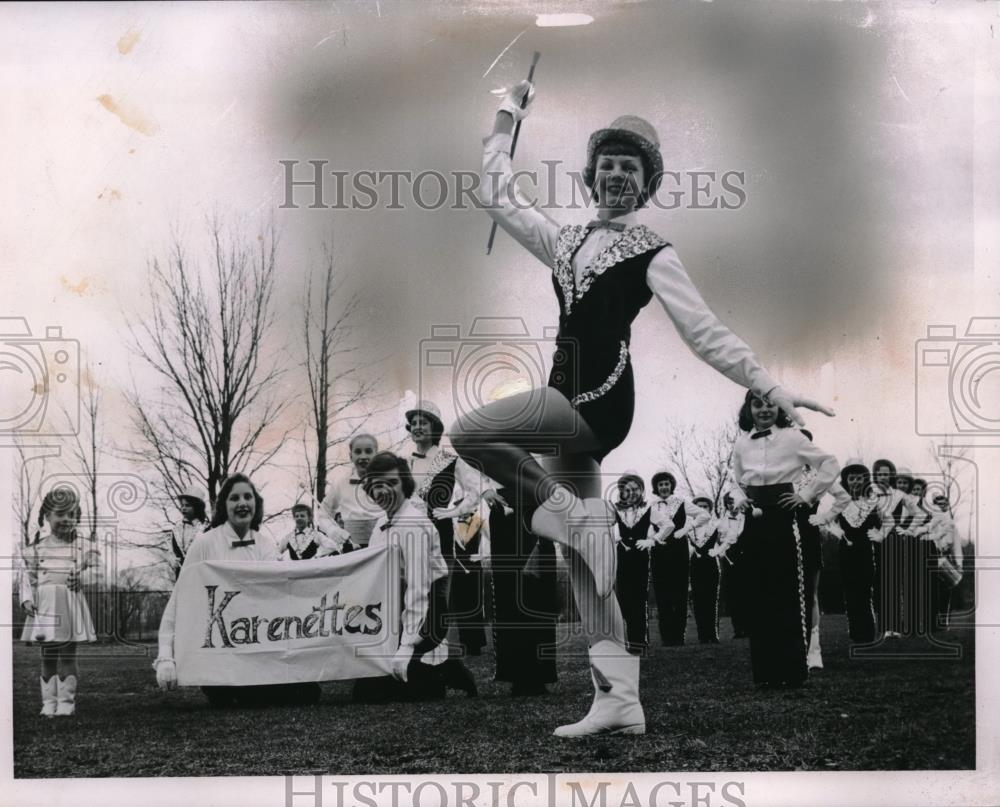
772 553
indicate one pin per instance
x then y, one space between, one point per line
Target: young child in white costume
58 616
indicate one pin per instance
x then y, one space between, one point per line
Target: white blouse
346 496
700 329
216 544
778 458
473 483
662 517
413 532
331 543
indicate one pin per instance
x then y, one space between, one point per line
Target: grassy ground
702 715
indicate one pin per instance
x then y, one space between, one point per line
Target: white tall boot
616 708
48 696
585 526
66 695
814 658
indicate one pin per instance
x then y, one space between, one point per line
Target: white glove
876 535
401 661
645 543
833 529
513 96
166 674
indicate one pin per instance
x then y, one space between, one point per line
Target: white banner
241 623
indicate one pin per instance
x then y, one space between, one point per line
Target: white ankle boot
66 695
48 696
585 526
814 658
616 708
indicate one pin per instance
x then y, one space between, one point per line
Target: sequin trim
605 388
441 461
802 583
629 243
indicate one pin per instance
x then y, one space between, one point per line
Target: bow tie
758 435
247 542
418 455
354 481
605 224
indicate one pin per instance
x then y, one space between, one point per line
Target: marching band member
305 541
767 458
730 553
346 504
234 535
853 523
193 522
422 662
940 535
812 557
436 473
705 574
893 558
603 274
672 517
632 583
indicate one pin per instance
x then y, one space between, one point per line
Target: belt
766 495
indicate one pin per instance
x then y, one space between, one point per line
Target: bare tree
950 460
31 473
340 397
204 339
702 457
85 448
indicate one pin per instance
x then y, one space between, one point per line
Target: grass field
702 713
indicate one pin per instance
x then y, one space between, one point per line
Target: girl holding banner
239 510
422 662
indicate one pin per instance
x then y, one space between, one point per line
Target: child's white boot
65 695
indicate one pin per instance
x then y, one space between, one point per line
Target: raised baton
513 142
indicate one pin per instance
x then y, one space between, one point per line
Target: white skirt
61 615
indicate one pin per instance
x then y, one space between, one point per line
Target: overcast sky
855 126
